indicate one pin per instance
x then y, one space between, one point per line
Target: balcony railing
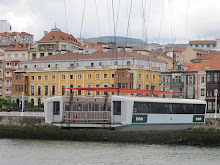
94 67
86 116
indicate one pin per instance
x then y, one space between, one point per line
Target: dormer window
51 38
63 38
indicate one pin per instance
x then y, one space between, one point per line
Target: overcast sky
37 16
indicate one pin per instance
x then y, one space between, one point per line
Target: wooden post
71 101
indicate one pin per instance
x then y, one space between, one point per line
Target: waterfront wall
22 121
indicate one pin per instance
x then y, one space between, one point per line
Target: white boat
125 112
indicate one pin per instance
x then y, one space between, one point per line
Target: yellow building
54 42
49 76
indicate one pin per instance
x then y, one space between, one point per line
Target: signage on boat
198 118
139 119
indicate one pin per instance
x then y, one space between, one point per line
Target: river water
45 152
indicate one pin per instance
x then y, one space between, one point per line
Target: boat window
79 107
56 107
168 108
85 107
96 107
117 107
66 106
74 107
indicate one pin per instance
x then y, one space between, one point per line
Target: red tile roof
195 66
17 47
111 54
15 33
202 42
210 55
213 64
58 35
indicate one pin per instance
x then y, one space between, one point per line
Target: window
53 90
147 86
100 63
154 77
105 75
34 56
46 78
139 75
202 92
42 47
113 75
63 77
71 77
63 90
97 92
46 90
56 107
190 79
63 46
32 77
16 56
116 63
79 76
128 62
202 79
49 54
50 46
39 90
25 66
97 76
168 108
9 56
41 54
139 86
32 90
117 107
89 76
39 77
53 77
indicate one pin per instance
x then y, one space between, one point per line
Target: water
42 152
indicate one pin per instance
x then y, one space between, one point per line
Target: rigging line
187 19
118 14
161 23
116 51
129 17
65 15
82 18
109 20
148 22
171 22
174 32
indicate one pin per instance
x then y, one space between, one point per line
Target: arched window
71 86
79 91
63 90
105 93
39 90
39 103
32 101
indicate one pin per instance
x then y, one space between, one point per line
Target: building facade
49 76
13 57
54 42
17 37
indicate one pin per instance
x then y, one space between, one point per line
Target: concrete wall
22 121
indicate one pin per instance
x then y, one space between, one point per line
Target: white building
4 26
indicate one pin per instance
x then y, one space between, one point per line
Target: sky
154 21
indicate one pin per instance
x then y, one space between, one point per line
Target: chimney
45 33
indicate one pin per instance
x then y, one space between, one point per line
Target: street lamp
216 94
